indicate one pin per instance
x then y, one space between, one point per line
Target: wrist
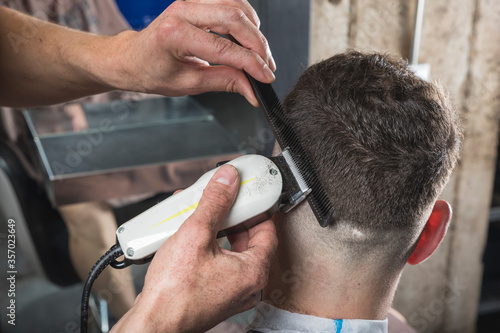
131 322
107 62
118 67
153 314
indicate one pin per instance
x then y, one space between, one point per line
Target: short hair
383 141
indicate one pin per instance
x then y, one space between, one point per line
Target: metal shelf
118 149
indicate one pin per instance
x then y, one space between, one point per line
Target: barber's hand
192 284
172 55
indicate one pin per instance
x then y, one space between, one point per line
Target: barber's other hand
172 55
192 284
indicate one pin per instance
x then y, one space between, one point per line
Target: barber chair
39 227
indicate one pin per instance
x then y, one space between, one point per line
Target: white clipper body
261 185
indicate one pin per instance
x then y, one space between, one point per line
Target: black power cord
114 252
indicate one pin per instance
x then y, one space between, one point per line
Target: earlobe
433 233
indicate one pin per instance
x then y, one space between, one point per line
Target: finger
241 4
218 197
262 235
229 20
219 50
239 241
178 191
219 78
263 241
138 298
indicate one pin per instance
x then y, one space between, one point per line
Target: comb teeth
287 138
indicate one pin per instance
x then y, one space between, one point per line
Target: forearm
43 63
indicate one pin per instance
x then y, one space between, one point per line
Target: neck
325 285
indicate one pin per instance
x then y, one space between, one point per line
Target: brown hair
383 141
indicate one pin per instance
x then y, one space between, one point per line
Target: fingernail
253 101
250 97
272 62
269 73
226 175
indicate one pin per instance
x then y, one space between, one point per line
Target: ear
433 232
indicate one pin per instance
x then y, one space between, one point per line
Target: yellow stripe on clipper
248 181
193 206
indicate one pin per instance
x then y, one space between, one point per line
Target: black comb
287 138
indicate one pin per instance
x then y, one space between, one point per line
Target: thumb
217 199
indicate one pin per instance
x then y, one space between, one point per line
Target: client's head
383 143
